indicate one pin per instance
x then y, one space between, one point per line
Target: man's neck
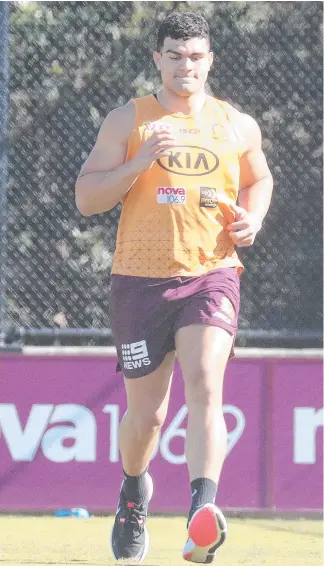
185 105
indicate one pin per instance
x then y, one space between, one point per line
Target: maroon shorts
145 313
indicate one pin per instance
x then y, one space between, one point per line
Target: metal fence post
4 93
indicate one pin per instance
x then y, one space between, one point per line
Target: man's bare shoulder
119 122
110 148
246 126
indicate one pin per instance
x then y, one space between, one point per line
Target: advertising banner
59 418
297 402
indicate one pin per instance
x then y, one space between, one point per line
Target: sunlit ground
250 542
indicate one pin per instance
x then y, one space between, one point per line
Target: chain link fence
70 64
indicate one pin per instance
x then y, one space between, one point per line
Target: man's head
183 53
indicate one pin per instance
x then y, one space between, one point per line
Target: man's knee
144 421
204 386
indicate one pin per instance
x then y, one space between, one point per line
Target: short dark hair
182 25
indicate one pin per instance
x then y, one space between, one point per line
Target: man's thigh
203 352
214 301
206 328
142 324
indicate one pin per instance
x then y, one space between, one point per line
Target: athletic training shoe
129 536
207 530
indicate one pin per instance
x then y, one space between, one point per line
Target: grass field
251 542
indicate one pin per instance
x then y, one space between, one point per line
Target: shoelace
134 518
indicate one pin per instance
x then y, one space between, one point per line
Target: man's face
184 65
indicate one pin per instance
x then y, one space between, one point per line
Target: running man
194 183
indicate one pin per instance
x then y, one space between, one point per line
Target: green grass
251 542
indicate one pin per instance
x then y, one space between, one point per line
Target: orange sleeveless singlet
173 218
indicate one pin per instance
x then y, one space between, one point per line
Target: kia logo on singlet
192 161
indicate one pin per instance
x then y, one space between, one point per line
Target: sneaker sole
147 536
206 533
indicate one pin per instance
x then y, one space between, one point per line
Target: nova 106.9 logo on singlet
192 161
171 195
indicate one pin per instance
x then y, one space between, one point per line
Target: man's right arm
105 178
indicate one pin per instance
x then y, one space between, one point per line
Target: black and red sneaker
129 536
207 530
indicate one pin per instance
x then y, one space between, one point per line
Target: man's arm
256 184
105 178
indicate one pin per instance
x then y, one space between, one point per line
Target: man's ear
157 57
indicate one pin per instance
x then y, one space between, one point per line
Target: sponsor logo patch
155 126
218 132
208 197
227 307
171 195
223 134
223 317
192 161
135 355
189 130
226 312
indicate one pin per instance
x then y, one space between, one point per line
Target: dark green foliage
72 62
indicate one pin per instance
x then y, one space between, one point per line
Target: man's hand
158 145
244 228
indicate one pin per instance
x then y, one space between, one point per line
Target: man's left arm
256 184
